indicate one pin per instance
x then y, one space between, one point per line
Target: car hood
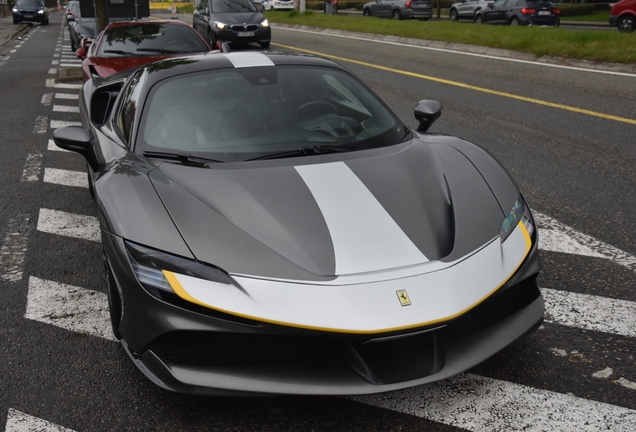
320 217
231 18
107 66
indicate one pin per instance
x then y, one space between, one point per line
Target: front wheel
453 15
264 45
212 40
15 21
366 12
479 19
396 15
627 24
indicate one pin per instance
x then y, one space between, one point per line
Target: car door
495 12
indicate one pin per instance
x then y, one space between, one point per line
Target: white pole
302 6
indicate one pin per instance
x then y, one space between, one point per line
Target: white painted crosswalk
18 421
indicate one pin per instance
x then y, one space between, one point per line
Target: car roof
215 60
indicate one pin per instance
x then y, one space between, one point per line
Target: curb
22 28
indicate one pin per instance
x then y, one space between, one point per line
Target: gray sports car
270 227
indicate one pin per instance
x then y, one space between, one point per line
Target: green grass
597 45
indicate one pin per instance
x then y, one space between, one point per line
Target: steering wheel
313 109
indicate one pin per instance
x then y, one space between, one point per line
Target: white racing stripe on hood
248 59
365 237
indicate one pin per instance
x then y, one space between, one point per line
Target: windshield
150 39
246 113
221 6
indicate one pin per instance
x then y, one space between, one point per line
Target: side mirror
490 5
77 139
426 112
86 42
81 53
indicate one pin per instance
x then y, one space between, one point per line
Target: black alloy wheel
453 15
366 12
479 19
514 21
627 24
396 15
212 40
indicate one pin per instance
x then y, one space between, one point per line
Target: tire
366 12
396 15
453 15
46 22
557 23
514 21
114 301
479 19
264 45
15 21
627 24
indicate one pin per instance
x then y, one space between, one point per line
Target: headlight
149 264
520 213
220 25
14 9
40 12
265 23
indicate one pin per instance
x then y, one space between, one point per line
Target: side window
128 107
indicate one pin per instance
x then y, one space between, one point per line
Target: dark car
399 9
81 28
130 44
30 11
269 226
520 12
623 16
466 9
236 21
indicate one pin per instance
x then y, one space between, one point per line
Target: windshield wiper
181 157
306 151
120 52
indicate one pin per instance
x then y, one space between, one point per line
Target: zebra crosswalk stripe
18 421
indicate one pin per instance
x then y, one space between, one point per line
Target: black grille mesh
243 350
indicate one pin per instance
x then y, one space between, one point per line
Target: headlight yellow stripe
181 292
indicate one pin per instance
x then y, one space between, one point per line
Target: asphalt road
576 169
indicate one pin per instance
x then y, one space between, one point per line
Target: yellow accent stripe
181 292
467 86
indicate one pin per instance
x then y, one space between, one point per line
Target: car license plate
544 12
245 34
28 16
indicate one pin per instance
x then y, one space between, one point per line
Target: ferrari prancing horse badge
404 297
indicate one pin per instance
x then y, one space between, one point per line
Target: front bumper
29 17
420 13
260 35
190 349
613 20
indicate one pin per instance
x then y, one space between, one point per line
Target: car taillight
556 11
408 4
527 11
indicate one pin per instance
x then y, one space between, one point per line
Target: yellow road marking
466 86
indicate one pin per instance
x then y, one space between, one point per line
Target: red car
623 16
129 44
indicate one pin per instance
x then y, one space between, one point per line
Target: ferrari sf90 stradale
270 227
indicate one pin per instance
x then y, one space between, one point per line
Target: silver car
399 9
467 9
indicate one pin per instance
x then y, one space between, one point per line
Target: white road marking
52 147
68 86
342 35
56 124
52 71
50 82
69 307
590 312
557 241
605 373
65 177
627 384
13 250
69 225
70 96
13 51
70 65
546 223
32 167
66 108
47 98
18 421
55 62
483 404
41 124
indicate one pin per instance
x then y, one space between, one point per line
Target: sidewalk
8 30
